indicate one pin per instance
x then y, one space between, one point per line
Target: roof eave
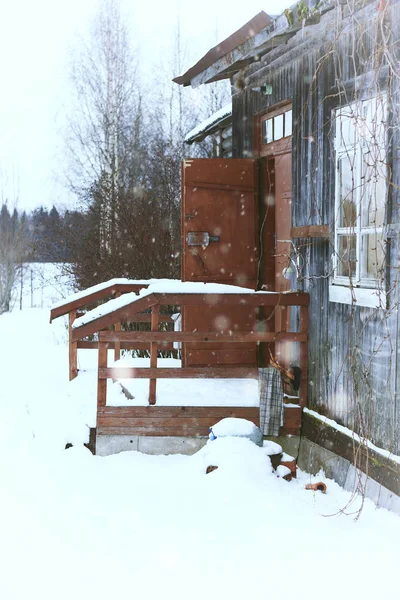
237 39
210 130
276 33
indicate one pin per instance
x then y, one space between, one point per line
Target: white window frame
360 290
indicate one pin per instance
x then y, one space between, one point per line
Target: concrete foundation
112 444
290 443
312 458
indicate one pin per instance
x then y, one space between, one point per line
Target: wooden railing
116 344
157 340
91 296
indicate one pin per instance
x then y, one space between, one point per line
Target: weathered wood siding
354 364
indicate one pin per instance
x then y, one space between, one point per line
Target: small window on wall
360 203
277 127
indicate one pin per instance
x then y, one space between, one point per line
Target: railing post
303 357
72 348
117 327
155 313
102 364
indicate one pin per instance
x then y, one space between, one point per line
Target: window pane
267 131
278 127
373 190
373 256
345 128
288 123
347 256
347 198
375 122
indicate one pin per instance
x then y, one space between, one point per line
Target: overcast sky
36 37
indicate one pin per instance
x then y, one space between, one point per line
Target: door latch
200 238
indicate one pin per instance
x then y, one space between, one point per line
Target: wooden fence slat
155 310
177 373
102 383
72 348
117 328
304 324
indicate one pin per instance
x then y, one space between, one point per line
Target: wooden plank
292 421
154 431
160 423
304 325
173 420
311 231
117 328
121 314
177 373
146 318
94 297
223 356
72 348
155 311
262 299
196 336
88 345
177 412
102 383
383 470
181 420
68 307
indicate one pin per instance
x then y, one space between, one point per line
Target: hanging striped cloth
271 400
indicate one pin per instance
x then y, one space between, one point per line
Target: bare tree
104 140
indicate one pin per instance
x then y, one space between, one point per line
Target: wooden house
309 201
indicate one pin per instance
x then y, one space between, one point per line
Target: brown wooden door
219 242
219 199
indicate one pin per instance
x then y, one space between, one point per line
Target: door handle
200 238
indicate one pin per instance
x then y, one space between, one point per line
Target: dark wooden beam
383 470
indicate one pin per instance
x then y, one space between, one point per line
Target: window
277 127
360 197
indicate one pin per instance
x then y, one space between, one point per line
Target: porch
189 417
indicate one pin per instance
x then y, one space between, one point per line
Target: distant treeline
43 235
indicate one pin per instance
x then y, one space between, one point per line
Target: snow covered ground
41 285
76 526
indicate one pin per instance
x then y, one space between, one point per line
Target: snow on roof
212 121
102 286
166 286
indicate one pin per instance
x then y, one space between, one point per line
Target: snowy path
76 526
